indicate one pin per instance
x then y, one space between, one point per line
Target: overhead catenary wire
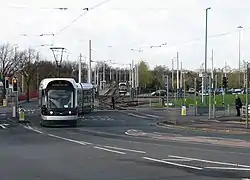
82 14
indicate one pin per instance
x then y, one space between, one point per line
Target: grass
218 100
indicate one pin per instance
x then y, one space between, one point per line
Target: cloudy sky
126 24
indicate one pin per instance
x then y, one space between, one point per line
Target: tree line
28 65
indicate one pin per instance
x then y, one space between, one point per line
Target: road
118 145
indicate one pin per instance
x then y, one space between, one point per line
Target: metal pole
239 27
212 71
110 74
103 72
80 69
97 76
184 86
133 75
167 92
16 103
181 76
172 74
248 66
215 89
89 65
177 81
205 80
202 88
195 84
137 76
209 105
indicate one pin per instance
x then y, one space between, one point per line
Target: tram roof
85 85
44 83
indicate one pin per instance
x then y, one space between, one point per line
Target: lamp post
239 27
205 82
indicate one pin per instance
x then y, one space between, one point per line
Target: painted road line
209 161
32 129
228 168
70 140
3 126
172 163
109 150
123 149
154 116
181 160
139 116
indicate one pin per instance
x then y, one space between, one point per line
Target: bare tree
10 61
30 62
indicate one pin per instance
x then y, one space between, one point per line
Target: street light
239 27
205 82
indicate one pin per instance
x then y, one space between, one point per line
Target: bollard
4 102
21 115
183 111
14 111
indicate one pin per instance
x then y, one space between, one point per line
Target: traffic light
198 84
14 83
225 82
6 82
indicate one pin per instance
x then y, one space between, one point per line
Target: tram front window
60 99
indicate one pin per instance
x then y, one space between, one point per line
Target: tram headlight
70 112
51 112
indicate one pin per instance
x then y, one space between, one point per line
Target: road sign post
195 104
167 93
247 76
15 90
209 105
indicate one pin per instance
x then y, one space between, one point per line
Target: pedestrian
238 105
113 102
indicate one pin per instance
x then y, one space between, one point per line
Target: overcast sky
126 24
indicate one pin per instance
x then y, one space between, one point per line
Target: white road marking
2 126
32 129
228 168
131 150
208 161
154 116
174 164
245 179
181 160
110 150
70 140
136 115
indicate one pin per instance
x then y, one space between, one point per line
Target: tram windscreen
60 99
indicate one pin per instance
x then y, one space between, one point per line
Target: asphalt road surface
115 145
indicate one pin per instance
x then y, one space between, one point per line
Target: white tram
85 97
58 101
123 89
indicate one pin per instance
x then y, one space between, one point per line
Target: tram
123 89
85 97
58 101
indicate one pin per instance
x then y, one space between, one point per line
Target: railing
244 112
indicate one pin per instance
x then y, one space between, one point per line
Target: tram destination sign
60 84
